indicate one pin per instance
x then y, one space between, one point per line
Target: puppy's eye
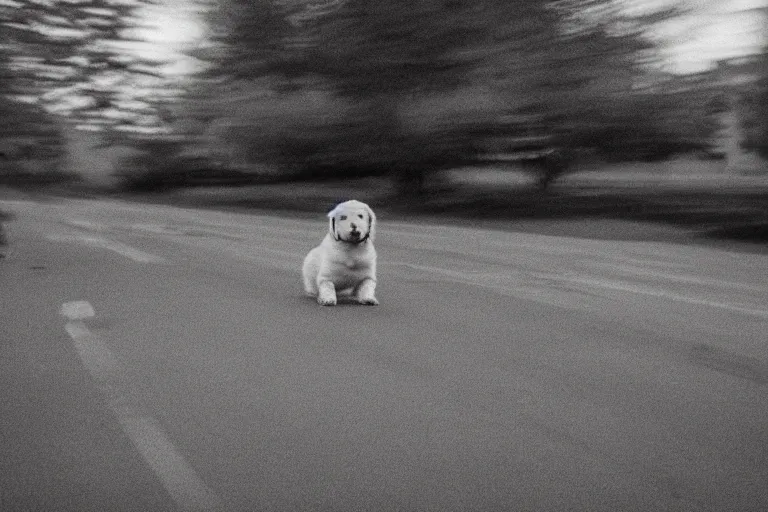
360 215
343 217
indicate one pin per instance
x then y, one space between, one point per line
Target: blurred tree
414 72
248 39
383 53
375 54
27 134
70 56
757 133
597 64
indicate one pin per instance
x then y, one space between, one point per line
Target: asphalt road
156 358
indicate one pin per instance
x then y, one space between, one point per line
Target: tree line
354 87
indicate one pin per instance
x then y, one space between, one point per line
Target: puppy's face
352 222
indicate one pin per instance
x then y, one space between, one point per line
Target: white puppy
346 258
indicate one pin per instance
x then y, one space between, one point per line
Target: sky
711 30
170 27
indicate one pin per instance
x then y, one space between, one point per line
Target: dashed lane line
178 477
122 249
475 279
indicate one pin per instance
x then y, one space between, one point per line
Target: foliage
414 77
757 104
27 131
162 164
32 144
70 57
249 39
340 87
141 174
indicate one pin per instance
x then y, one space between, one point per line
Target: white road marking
85 224
471 277
77 310
18 202
644 290
157 229
683 278
97 358
179 478
110 245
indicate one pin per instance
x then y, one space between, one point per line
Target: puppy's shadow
343 298
347 300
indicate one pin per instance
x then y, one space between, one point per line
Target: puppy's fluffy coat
346 258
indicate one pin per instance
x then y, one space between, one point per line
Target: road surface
157 358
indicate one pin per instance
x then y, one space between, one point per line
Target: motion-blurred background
479 105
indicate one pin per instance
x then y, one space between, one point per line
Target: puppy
346 258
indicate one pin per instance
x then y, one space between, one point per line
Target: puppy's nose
353 225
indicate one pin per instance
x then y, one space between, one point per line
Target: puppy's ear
371 223
332 224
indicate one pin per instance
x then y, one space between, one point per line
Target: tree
757 132
390 58
414 72
248 39
27 132
70 57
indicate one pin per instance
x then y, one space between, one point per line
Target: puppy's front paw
326 301
366 293
326 294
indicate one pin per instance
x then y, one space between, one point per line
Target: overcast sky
713 30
